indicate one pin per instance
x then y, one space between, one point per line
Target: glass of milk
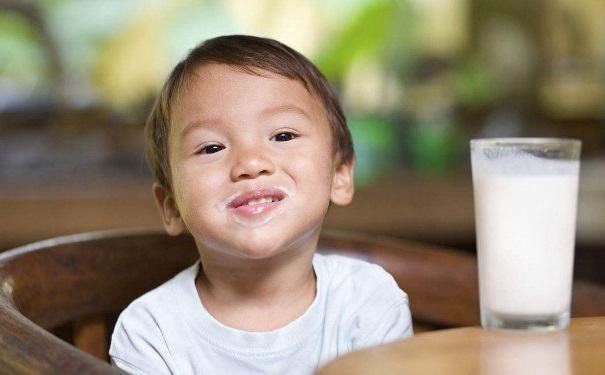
525 192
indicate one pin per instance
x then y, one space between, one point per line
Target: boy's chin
264 246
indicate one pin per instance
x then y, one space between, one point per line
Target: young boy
249 145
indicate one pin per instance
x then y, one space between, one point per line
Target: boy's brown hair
253 55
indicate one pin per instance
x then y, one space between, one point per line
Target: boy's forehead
201 72
218 82
204 77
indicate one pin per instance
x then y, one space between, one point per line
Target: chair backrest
75 287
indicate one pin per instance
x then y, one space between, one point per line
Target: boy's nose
251 163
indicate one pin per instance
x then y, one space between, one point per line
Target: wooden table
580 349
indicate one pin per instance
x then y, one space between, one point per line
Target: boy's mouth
257 207
257 197
254 201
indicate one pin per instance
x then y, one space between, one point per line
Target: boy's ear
171 217
343 186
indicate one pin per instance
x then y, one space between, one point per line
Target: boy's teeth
252 202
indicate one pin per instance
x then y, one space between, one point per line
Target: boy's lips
256 207
254 200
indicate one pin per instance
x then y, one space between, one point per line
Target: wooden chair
59 298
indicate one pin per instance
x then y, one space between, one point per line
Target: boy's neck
259 295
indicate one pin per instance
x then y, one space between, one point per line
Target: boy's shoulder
362 299
354 274
348 265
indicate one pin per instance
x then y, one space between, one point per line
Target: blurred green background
418 78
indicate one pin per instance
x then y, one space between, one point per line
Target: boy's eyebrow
286 108
190 127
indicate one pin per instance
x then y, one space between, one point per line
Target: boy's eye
211 149
284 137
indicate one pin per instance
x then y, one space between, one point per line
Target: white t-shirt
168 330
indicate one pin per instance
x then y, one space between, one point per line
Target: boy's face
252 164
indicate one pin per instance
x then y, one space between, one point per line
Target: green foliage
376 141
381 30
475 85
21 56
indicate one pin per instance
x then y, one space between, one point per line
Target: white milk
525 239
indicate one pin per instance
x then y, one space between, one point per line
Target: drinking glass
525 194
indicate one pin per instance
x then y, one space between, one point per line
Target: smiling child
249 146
